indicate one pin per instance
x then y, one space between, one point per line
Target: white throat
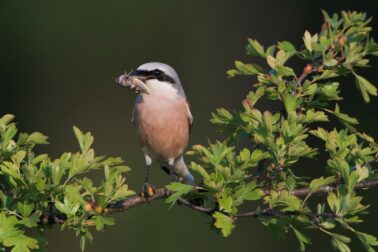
164 89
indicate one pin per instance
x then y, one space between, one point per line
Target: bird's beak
134 82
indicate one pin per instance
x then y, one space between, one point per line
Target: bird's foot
148 190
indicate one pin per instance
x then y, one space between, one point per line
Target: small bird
162 118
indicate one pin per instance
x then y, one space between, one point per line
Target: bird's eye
157 72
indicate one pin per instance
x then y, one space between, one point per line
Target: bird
162 119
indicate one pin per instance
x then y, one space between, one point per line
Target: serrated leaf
315 116
37 138
102 221
326 74
255 48
224 223
319 182
303 239
225 203
329 60
329 91
367 240
24 208
179 190
248 69
85 140
291 102
122 192
285 71
307 40
287 47
198 168
6 119
21 243
365 87
342 116
339 245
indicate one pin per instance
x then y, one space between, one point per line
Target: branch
160 193
165 193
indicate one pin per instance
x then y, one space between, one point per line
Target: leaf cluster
233 174
37 191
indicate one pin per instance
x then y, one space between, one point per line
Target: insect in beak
132 82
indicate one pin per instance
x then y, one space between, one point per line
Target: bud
88 207
308 69
98 209
341 40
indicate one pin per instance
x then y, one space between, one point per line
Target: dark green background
58 61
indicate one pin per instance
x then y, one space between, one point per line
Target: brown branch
160 193
165 193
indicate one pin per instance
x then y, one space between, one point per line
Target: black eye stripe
155 74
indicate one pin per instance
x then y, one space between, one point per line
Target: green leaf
253 97
21 243
315 116
198 168
85 140
179 190
102 221
225 203
365 87
254 195
303 239
248 69
319 182
25 209
255 48
285 71
287 47
291 102
122 192
6 119
329 91
326 74
67 207
224 223
329 60
309 89
367 240
248 192
333 202
31 221
339 245
343 117
272 62
363 172
37 138
307 39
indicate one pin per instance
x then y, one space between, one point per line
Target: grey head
156 73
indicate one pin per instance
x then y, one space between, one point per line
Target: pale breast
162 126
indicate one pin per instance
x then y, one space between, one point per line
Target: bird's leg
172 175
148 190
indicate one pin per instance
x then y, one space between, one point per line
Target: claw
148 190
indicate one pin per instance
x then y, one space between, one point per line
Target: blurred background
58 63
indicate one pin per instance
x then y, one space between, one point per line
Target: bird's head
159 78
